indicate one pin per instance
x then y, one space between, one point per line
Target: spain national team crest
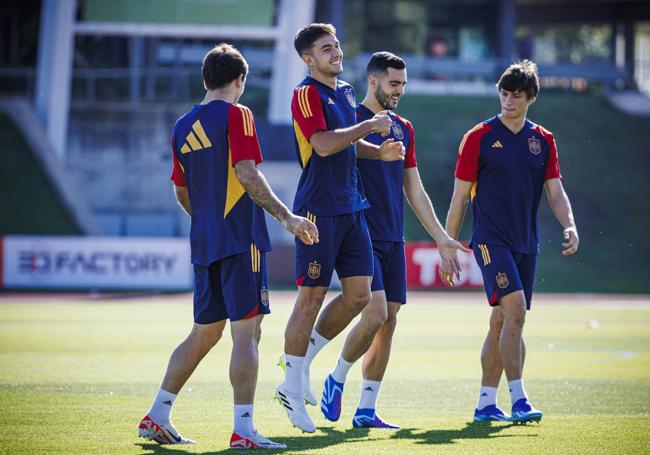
264 296
397 131
314 270
502 280
534 145
350 96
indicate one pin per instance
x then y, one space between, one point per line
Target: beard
383 99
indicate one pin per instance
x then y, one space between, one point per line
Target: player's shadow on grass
472 430
325 437
328 437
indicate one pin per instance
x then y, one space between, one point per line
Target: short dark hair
222 65
520 76
309 34
381 61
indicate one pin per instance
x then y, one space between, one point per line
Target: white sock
161 407
517 391
293 374
316 343
243 419
486 397
369 393
341 371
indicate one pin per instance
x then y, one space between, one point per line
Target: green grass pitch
76 376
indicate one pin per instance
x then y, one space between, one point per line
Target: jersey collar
326 87
527 125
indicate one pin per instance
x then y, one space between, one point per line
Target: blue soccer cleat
330 405
491 413
368 418
524 412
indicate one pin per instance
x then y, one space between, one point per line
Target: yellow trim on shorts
485 253
256 259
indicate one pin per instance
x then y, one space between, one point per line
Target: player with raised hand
503 165
384 183
215 153
327 139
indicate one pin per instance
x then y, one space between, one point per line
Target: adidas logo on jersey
330 101
196 139
497 145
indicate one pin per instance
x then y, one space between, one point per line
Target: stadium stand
35 194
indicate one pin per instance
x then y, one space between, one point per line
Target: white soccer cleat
253 441
295 409
310 398
162 433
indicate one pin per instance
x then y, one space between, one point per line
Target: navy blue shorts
344 245
390 270
505 271
232 288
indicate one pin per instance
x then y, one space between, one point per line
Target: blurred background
90 91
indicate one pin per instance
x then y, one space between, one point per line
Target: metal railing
150 84
488 70
183 83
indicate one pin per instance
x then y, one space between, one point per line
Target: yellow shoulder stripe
303 101
247 120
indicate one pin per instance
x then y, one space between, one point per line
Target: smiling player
327 139
384 184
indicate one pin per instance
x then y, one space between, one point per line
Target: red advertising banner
422 268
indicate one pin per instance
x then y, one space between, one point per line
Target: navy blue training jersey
207 143
508 170
383 180
328 185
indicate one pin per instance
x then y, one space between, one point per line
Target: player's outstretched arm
328 143
455 216
561 207
419 201
259 190
183 198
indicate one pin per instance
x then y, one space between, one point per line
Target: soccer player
216 181
384 183
503 165
327 138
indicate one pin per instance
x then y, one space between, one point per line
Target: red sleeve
552 165
468 153
307 110
409 159
178 173
242 136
